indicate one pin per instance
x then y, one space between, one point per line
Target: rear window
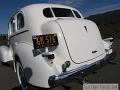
77 14
20 21
62 12
47 12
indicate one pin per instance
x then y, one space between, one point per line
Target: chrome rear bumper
68 76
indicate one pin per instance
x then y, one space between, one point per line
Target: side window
20 21
47 13
12 25
77 14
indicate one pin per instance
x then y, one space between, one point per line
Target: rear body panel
82 38
6 54
75 44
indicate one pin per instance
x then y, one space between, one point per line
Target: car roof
42 6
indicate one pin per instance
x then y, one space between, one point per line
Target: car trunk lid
82 39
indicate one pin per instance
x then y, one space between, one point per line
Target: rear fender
6 54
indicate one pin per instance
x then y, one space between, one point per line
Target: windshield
62 12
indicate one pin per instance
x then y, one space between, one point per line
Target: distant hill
3 36
108 23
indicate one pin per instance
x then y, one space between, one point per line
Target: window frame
50 11
74 11
12 29
19 27
62 8
71 9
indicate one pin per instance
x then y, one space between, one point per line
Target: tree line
3 36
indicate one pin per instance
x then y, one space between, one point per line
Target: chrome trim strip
17 33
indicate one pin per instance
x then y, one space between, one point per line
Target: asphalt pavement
110 73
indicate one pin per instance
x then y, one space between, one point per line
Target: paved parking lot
108 74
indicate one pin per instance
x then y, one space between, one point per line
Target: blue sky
86 7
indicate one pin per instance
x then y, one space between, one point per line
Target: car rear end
67 46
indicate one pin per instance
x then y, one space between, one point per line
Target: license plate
41 41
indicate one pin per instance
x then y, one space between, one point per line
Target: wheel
21 76
24 85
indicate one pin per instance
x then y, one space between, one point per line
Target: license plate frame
47 40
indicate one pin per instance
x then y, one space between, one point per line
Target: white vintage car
51 45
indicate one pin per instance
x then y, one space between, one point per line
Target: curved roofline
47 5
38 6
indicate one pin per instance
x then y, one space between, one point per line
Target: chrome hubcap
21 77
